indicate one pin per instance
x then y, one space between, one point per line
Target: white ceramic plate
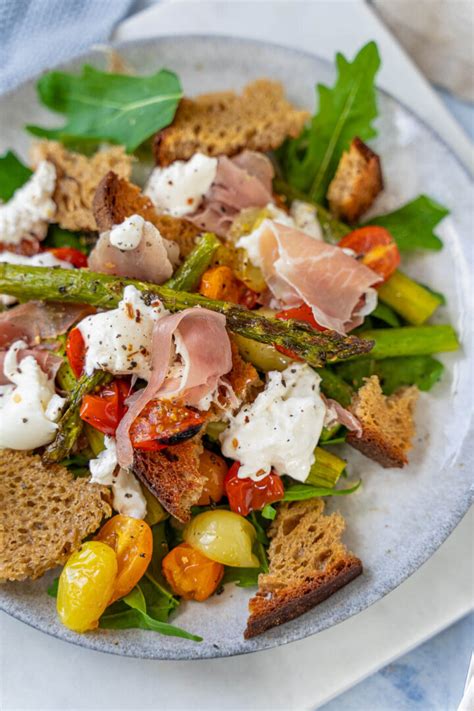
400 517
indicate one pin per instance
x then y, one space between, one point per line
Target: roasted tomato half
69 254
162 423
105 409
76 351
246 495
298 313
376 247
221 283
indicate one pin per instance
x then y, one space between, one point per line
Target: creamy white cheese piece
128 234
128 498
119 340
29 408
44 259
281 428
30 209
305 218
179 188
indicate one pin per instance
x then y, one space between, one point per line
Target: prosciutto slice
335 413
300 269
35 321
151 261
197 335
242 181
48 362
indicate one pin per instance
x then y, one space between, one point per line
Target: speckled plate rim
102 644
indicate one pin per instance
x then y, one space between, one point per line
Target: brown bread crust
292 602
116 199
357 182
173 476
45 514
225 123
387 423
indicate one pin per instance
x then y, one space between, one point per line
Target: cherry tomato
223 536
221 283
247 495
162 423
377 248
86 585
71 255
214 469
76 351
299 313
105 409
132 541
191 574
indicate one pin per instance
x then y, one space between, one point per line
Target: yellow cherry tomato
86 585
223 536
132 541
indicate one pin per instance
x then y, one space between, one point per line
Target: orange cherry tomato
247 495
191 574
214 469
76 351
299 313
69 254
377 248
132 541
105 409
162 423
221 283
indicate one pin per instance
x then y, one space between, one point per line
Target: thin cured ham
299 269
242 181
337 414
152 260
35 321
200 339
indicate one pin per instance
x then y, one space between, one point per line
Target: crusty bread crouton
77 180
308 563
387 423
173 476
45 514
116 199
243 377
357 182
225 123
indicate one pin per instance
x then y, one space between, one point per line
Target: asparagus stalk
102 290
333 230
326 469
187 277
409 299
70 424
411 341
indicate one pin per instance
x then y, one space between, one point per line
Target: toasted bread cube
357 182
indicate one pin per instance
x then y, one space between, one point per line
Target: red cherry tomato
71 255
377 248
247 495
162 423
76 351
299 313
105 409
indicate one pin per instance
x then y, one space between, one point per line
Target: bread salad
197 307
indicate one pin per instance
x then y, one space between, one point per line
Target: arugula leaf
53 588
262 542
386 314
301 492
393 373
346 110
242 577
412 225
13 174
138 616
109 107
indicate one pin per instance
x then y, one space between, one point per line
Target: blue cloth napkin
38 34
